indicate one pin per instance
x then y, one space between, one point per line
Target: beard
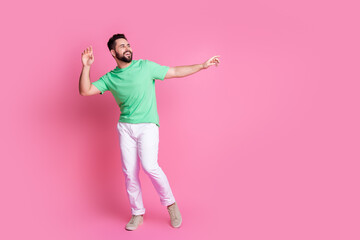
124 58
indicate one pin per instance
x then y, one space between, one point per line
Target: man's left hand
212 61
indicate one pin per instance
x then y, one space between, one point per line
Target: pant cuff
167 203
138 212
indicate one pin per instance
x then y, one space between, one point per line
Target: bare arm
182 71
86 88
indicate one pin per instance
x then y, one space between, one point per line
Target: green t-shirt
133 88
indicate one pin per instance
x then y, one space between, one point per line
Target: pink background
264 146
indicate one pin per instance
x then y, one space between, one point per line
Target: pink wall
264 146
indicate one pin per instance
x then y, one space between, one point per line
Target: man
132 83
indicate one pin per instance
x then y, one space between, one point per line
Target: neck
122 64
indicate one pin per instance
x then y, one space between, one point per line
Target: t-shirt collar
117 69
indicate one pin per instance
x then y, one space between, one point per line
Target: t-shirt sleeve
101 84
158 71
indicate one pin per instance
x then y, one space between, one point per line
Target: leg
148 142
130 167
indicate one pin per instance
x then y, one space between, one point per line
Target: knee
131 175
151 169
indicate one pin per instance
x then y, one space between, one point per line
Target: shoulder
107 75
144 63
150 64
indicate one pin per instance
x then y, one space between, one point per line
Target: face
123 51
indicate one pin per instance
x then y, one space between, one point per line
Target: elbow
82 93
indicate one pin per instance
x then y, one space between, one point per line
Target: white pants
142 139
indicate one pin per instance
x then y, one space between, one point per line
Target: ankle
170 205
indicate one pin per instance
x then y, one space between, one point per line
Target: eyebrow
124 44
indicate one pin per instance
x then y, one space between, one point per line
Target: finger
213 58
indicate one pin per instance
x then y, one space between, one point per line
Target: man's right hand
87 57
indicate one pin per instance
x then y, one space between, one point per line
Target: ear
112 52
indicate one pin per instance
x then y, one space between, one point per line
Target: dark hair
111 42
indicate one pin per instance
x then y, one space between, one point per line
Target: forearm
182 71
84 82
